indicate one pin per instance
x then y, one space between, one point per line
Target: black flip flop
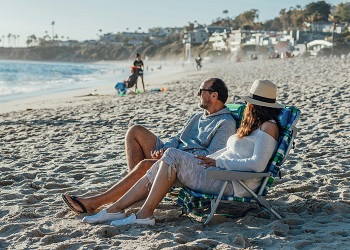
75 199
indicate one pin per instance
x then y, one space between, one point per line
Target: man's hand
207 162
158 154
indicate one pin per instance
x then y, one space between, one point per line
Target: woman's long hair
253 117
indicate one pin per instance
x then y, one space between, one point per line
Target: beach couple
208 139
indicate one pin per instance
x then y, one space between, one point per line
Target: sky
82 19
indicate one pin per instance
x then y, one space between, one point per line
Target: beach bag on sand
121 88
205 205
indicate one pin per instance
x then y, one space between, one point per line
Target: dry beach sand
77 146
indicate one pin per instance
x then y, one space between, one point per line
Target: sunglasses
201 91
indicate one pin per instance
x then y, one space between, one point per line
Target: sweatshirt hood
224 110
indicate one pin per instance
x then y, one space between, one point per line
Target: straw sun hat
263 93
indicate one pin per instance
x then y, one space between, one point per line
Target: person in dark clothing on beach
199 62
139 64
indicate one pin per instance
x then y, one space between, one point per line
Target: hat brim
260 103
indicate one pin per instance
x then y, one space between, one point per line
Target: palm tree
53 29
226 22
29 40
33 39
14 40
255 13
335 19
9 39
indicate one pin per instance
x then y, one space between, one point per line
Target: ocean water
20 79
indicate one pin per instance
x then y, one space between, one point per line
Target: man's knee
135 130
142 135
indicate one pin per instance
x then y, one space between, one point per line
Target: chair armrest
232 175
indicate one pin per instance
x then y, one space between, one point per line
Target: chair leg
261 200
214 205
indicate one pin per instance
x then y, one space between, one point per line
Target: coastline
104 86
77 146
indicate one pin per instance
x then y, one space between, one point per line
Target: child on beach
139 64
122 87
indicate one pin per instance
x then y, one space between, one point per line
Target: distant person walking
199 62
139 64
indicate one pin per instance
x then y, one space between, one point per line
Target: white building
235 39
248 37
134 42
218 41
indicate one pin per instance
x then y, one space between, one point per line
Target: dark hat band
261 98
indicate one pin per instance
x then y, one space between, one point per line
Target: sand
76 145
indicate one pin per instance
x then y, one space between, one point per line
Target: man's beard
203 105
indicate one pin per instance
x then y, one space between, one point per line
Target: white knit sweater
250 153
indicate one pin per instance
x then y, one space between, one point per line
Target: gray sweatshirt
204 134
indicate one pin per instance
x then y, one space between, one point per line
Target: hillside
96 52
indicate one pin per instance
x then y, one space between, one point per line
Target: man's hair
137 55
219 86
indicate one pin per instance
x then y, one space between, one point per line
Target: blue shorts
159 144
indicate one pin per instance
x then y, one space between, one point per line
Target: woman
122 87
248 150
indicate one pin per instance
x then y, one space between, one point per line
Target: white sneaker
133 220
104 216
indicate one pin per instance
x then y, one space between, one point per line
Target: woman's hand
206 161
158 154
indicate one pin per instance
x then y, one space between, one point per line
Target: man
199 62
203 134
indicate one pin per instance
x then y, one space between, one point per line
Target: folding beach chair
122 87
190 200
